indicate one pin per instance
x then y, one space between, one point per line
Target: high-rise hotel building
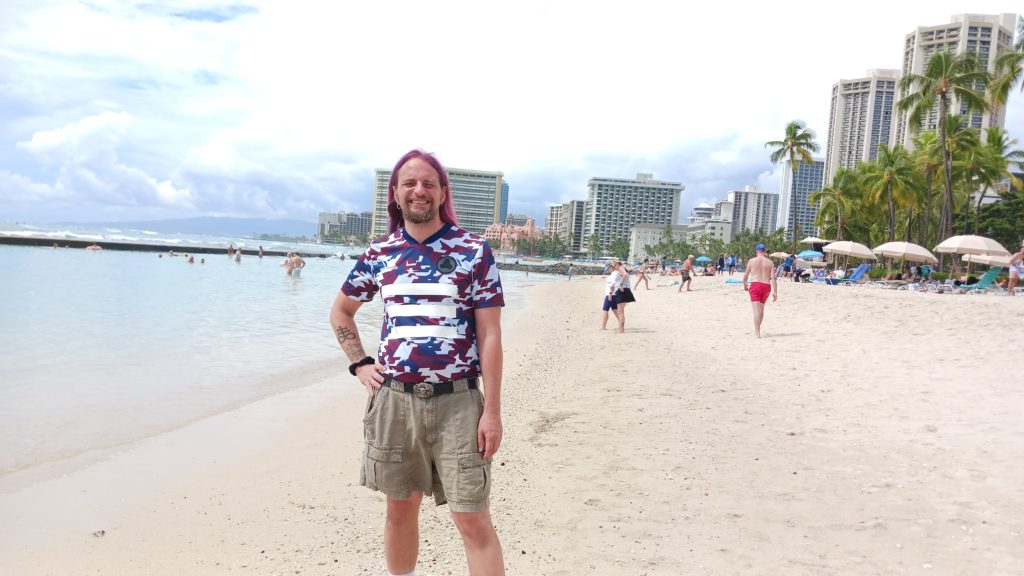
809 178
984 35
753 209
615 205
861 119
477 195
566 222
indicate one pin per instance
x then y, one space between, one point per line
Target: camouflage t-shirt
430 291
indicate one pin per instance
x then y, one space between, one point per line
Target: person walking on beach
761 273
625 294
1016 270
686 274
612 284
568 271
428 429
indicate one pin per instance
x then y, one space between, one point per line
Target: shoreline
857 437
11 240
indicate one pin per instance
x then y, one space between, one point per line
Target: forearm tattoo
349 341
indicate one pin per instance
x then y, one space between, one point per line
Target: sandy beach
870 431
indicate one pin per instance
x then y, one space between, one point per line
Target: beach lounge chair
857 276
984 283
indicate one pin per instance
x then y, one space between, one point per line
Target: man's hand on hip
370 377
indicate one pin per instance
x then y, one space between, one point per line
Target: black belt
427 390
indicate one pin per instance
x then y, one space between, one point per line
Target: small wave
114 230
149 233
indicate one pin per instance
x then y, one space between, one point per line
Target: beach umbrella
849 248
905 251
986 260
814 240
971 244
808 254
702 259
779 255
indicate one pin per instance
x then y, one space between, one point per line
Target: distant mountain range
221 226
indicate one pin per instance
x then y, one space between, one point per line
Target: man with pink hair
428 428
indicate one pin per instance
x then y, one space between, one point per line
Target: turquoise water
98 349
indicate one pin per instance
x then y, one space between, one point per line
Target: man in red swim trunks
761 273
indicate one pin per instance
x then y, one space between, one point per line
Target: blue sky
114 110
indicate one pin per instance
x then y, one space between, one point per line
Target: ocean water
100 349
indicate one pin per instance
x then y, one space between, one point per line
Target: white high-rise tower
861 120
984 35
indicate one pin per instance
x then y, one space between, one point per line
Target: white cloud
280 108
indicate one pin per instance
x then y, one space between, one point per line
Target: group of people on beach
758 280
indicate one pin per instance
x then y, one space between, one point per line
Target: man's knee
402 512
475 527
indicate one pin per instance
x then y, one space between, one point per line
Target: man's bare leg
483 550
604 320
402 534
1012 285
758 316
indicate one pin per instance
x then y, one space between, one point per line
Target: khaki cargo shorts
428 445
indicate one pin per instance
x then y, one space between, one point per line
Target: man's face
418 192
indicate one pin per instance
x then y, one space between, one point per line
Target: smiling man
428 428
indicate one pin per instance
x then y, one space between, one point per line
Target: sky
114 110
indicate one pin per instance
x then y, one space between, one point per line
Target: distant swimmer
261 252
297 265
238 255
94 247
294 264
191 260
231 249
202 260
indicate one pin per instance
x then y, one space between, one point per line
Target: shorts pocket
473 483
373 403
382 468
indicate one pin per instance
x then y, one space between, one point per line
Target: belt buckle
423 390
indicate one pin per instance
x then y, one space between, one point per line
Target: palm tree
892 175
945 77
998 159
795 148
928 156
835 201
1009 70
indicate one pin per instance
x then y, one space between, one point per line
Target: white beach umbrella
971 244
986 260
850 248
814 240
905 251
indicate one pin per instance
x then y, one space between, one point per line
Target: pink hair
447 208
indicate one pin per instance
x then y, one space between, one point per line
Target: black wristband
368 360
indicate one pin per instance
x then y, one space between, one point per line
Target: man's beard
419 217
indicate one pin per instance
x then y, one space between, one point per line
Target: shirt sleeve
486 290
361 285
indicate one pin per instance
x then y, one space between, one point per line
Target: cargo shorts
426 444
